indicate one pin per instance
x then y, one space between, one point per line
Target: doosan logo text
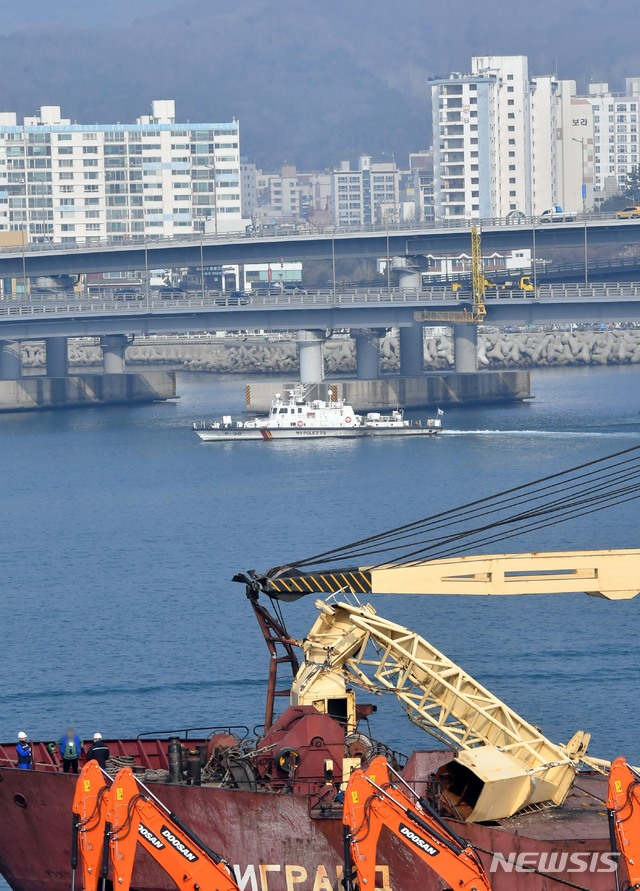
549 862
418 841
179 845
150 837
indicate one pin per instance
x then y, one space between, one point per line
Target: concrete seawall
496 350
87 390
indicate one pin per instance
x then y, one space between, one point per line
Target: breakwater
270 355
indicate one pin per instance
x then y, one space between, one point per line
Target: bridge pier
367 354
409 274
113 347
310 355
412 350
465 347
10 361
57 357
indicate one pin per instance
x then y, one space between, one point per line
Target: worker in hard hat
98 751
24 751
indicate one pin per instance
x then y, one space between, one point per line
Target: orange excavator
623 806
374 801
111 820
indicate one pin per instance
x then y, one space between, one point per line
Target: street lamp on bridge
581 140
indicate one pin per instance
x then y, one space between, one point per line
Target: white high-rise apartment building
505 142
615 135
76 182
481 139
365 196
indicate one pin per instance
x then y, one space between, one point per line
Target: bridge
366 312
332 244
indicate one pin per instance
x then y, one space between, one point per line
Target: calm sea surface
121 532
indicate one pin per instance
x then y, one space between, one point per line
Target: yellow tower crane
478 285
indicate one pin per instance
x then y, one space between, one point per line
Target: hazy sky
311 81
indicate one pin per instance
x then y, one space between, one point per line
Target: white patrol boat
293 416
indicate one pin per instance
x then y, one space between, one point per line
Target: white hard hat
22 735
97 736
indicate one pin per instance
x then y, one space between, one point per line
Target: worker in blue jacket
70 750
24 752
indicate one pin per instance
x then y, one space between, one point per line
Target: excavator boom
110 821
89 819
623 805
137 817
373 802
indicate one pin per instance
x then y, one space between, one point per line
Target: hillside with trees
311 82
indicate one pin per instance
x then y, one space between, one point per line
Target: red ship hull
276 843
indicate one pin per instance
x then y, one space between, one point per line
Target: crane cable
563 496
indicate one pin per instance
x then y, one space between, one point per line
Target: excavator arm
137 817
110 821
373 802
90 807
623 806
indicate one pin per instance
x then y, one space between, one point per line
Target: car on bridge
631 212
235 298
170 292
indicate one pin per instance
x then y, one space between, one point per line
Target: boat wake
560 434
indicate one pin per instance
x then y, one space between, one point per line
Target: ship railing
239 730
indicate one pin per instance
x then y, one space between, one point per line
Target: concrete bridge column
465 347
409 275
367 354
113 347
310 354
10 362
412 350
57 357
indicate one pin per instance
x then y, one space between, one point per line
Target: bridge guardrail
151 242
319 298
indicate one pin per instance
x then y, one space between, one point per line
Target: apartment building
481 139
282 197
615 135
63 181
507 142
366 195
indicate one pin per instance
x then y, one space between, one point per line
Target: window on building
512 193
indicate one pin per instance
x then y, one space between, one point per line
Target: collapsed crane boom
504 763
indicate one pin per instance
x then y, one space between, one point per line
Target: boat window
283 411
300 411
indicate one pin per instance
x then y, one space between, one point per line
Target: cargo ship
270 800
293 416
